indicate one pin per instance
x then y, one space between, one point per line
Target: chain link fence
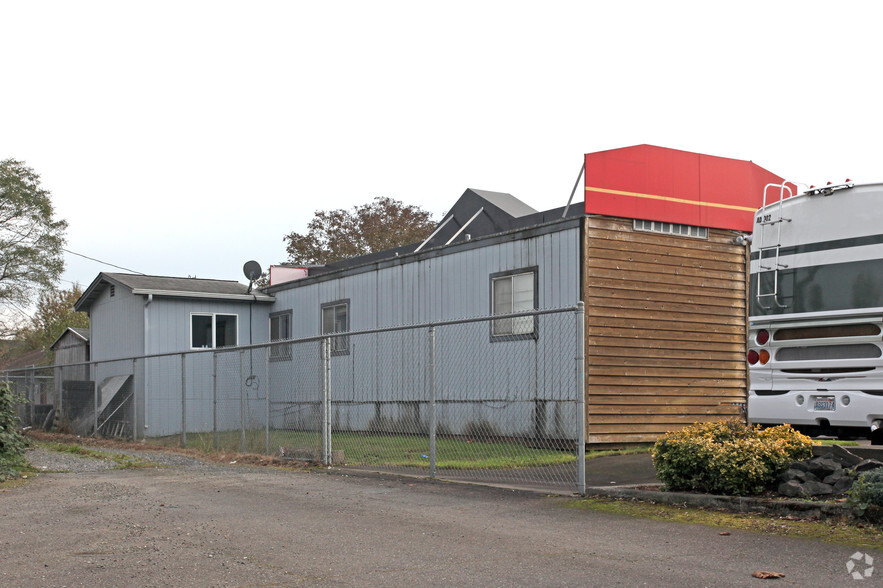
489 400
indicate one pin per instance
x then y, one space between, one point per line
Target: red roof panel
660 184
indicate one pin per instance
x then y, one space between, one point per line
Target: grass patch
122 461
394 450
835 442
832 531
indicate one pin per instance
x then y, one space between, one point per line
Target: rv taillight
764 356
752 357
762 337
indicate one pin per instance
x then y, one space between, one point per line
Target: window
209 331
280 330
335 319
511 292
671 229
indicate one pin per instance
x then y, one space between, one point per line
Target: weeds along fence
491 399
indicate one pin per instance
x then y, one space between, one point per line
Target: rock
823 466
799 465
817 488
842 485
838 453
868 464
811 477
793 474
792 489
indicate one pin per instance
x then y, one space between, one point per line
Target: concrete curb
747 504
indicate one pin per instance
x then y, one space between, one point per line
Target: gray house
136 315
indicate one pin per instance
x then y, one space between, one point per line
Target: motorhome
815 339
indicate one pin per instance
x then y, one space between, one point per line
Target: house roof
170 287
76 333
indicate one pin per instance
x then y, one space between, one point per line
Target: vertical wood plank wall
665 330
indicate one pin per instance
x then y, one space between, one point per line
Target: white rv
815 341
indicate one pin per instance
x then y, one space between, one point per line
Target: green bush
727 457
12 444
868 488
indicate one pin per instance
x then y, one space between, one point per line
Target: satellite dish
252 270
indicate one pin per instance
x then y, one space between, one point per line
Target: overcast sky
185 138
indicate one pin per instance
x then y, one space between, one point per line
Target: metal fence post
32 395
184 400
581 398
242 402
433 415
134 399
95 396
326 401
267 395
215 400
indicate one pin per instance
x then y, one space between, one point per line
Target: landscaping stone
868 464
843 485
823 467
817 488
799 466
792 489
822 475
841 455
792 474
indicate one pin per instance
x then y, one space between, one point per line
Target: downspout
146 352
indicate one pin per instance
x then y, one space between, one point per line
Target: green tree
31 240
334 235
55 313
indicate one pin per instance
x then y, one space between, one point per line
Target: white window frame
214 335
339 345
519 327
280 352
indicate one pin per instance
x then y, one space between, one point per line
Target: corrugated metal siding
666 328
451 286
382 378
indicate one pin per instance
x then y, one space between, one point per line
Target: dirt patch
225 457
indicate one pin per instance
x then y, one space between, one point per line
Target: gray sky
185 138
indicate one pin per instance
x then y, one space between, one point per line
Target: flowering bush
727 457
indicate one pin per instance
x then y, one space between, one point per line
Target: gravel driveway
188 522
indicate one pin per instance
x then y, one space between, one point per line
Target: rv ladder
771 217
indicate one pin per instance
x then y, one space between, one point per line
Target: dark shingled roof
171 287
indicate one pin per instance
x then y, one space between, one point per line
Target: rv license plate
824 403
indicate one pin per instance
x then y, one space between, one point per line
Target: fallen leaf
724 533
767 575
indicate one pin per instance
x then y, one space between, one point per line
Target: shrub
12 443
727 457
868 488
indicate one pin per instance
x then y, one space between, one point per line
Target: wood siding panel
665 330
